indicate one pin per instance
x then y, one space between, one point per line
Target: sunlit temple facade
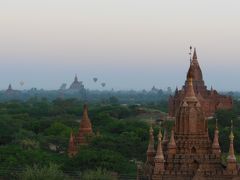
189 153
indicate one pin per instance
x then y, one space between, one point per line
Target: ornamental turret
151 151
231 159
72 149
172 148
215 146
159 158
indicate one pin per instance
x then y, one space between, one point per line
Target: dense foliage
35 133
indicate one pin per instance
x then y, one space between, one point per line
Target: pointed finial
216 123
215 146
85 106
72 150
231 136
231 159
194 54
151 150
172 143
75 78
159 158
151 129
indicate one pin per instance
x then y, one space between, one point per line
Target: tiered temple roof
210 100
76 85
85 130
190 154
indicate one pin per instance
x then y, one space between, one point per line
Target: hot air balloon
103 84
95 79
21 83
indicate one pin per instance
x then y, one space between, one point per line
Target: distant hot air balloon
103 84
21 83
95 79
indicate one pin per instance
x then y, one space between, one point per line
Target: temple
84 132
9 89
76 85
210 100
189 153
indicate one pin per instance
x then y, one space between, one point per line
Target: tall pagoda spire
85 127
75 78
151 150
72 149
194 70
215 146
231 159
194 54
159 158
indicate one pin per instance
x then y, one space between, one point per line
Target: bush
99 174
50 172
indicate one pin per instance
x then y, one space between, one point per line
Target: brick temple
85 130
188 154
210 100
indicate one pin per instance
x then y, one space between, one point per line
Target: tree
98 174
50 172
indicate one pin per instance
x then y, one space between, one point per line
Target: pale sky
129 44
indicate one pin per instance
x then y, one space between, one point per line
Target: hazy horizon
126 44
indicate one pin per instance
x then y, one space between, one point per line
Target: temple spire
85 127
172 144
85 117
215 146
194 54
165 136
189 89
75 78
231 159
159 158
151 150
72 150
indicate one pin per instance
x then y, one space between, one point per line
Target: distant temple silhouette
9 89
76 85
210 100
189 154
85 130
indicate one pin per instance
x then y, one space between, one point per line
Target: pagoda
76 85
189 154
85 130
210 100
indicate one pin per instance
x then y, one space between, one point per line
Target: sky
128 44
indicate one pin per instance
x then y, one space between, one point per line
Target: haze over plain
127 44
